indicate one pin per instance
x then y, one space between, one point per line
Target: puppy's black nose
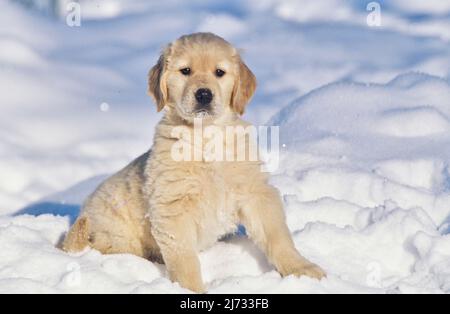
203 96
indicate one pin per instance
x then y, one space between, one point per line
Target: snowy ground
364 116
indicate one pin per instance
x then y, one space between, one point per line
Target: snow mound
382 142
413 122
348 118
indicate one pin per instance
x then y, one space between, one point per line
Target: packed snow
364 117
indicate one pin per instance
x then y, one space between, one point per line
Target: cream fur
168 210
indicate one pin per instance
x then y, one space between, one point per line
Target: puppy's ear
244 87
157 87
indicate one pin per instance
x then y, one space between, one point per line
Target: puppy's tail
78 237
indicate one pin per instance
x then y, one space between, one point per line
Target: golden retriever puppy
166 209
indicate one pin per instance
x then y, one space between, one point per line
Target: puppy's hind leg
263 217
78 236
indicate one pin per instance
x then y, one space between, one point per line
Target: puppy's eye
185 71
220 73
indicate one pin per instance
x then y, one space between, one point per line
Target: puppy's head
201 76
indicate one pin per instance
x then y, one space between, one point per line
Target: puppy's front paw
309 269
301 267
197 288
193 283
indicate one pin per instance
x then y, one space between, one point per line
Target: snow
364 116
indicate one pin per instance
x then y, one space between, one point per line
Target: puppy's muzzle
204 98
